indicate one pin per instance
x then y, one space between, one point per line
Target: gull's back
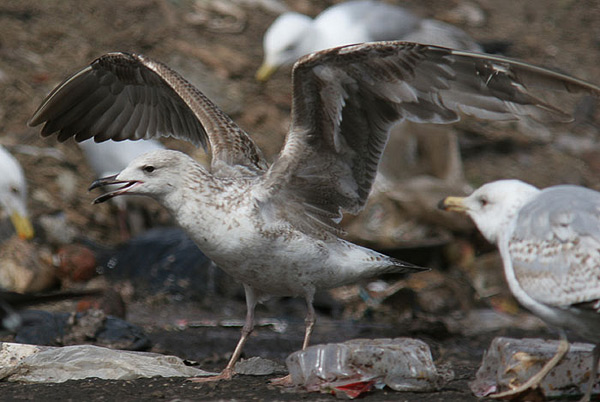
555 251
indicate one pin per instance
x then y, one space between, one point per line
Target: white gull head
282 41
13 194
155 174
13 187
493 206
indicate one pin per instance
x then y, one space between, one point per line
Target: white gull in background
293 35
549 241
275 227
109 158
13 193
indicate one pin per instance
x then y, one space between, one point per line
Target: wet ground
43 42
210 347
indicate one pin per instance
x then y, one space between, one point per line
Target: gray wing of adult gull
346 99
555 247
128 96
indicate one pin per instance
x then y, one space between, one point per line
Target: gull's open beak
22 225
111 180
454 204
265 72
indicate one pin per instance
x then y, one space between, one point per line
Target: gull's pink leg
227 373
309 322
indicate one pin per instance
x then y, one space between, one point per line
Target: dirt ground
41 43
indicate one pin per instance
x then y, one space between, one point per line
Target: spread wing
555 247
128 96
346 100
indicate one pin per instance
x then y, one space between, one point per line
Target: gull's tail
401 267
364 263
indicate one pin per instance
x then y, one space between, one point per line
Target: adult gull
293 35
274 227
549 241
13 194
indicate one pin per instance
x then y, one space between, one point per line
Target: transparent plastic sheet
402 364
513 361
41 364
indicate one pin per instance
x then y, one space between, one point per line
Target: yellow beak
454 204
265 72
22 225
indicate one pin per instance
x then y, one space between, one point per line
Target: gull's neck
208 207
193 182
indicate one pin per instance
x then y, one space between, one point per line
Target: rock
25 267
91 326
76 263
258 366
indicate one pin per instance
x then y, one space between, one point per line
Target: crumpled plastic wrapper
513 361
42 364
403 364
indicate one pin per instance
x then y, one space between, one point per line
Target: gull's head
13 194
493 206
153 174
282 43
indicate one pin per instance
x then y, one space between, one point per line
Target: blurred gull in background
293 35
13 194
549 241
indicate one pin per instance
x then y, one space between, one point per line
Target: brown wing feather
128 96
346 100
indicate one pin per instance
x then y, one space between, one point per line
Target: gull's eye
290 47
14 190
483 201
148 168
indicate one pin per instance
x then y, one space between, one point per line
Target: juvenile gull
549 241
275 228
13 193
293 35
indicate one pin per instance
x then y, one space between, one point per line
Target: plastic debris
510 362
353 390
403 364
44 364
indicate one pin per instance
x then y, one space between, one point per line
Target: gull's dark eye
483 201
14 190
148 168
290 47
